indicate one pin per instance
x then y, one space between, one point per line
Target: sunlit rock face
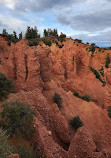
40 71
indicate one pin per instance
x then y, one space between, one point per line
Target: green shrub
107 61
58 100
102 71
95 72
86 97
6 58
26 153
77 94
33 43
60 46
78 40
17 118
47 42
6 86
5 148
62 35
56 43
76 122
9 43
97 75
109 111
92 49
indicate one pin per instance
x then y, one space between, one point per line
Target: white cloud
8 3
12 23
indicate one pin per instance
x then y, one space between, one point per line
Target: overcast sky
89 20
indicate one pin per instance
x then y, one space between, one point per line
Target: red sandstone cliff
39 72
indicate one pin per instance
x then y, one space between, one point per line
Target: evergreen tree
20 36
4 33
35 32
45 33
55 33
15 35
62 35
28 33
49 32
31 33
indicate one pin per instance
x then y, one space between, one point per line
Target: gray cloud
102 40
88 22
41 5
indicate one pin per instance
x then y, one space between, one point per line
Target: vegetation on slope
85 97
5 148
97 75
109 111
17 119
76 122
6 86
57 99
107 61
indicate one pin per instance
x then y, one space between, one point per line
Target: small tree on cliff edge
76 122
58 100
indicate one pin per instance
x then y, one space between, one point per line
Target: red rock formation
38 72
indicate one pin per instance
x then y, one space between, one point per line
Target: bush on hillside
5 148
107 61
97 75
56 43
47 42
6 86
109 111
62 35
26 153
102 71
17 118
60 46
78 40
92 49
33 43
76 122
95 72
85 97
77 94
58 100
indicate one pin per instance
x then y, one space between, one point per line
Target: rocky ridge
40 71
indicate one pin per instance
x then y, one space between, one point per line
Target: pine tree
15 35
28 33
4 33
45 33
20 36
